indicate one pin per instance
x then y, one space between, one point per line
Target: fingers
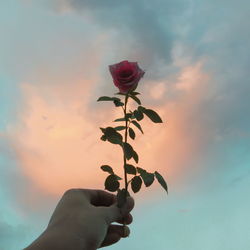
113 213
103 198
128 219
128 206
114 234
109 204
100 197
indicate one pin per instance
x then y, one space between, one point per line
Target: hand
82 220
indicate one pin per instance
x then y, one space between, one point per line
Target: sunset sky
54 57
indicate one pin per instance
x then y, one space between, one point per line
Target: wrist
55 239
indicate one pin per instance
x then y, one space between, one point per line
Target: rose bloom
126 75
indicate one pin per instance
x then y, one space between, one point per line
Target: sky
54 57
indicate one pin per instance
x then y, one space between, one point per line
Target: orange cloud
57 139
191 77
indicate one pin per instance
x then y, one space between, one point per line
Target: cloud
62 134
196 58
189 80
144 30
191 77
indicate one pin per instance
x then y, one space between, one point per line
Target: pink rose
126 75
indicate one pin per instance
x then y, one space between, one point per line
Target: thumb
113 213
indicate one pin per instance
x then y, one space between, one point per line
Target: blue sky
53 67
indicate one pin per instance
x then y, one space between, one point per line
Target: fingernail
126 231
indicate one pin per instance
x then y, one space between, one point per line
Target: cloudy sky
54 57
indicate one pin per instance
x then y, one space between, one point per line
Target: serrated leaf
110 131
131 133
134 93
141 108
118 177
111 183
121 197
136 184
132 116
107 168
103 130
107 98
147 178
161 180
141 170
119 93
120 120
152 115
130 169
103 138
135 99
135 157
137 125
138 115
128 115
104 98
113 136
119 128
128 150
118 103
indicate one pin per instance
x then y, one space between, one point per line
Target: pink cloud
191 76
57 139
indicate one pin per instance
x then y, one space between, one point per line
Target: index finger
99 197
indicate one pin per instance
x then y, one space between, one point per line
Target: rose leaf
118 128
131 133
138 115
103 138
113 136
141 170
137 125
130 169
118 103
148 178
107 168
128 150
135 157
111 183
120 120
141 108
136 184
107 98
161 180
134 93
152 115
135 99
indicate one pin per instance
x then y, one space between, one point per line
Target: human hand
82 220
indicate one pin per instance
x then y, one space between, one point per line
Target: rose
126 75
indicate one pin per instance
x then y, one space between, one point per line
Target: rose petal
126 75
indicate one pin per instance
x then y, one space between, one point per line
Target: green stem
124 157
126 138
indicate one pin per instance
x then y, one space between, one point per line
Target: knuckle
71 191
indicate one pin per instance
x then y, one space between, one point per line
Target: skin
83 220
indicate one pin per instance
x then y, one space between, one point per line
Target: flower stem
124 157
126 138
